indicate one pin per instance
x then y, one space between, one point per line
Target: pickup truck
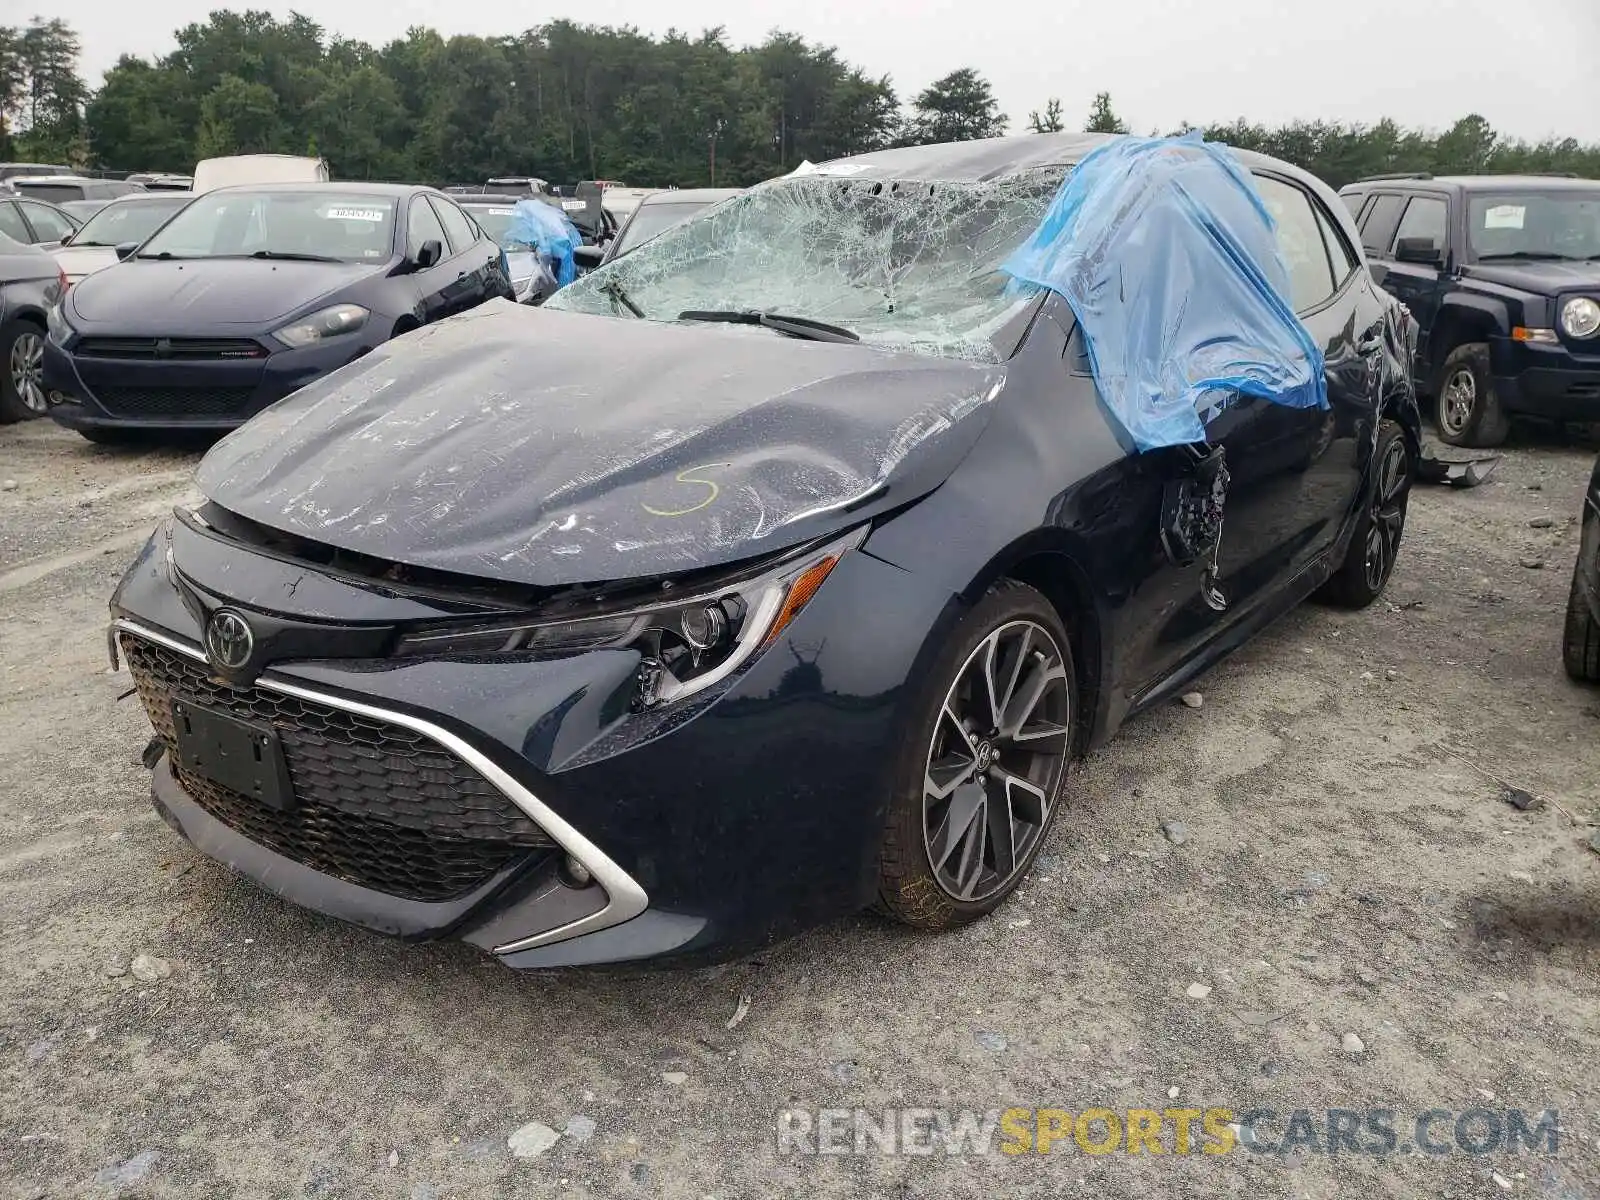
1502 273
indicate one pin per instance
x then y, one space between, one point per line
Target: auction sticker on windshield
355 214
1504 216
501 212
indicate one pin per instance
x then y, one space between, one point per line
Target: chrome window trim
625 899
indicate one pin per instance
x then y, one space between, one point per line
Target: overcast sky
1533 69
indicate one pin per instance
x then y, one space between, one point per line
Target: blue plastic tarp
1169 260
546 229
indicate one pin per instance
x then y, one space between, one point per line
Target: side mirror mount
66 238
587 257
429 254
1421 250
125 251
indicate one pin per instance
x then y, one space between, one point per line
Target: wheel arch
1463 319
1051 562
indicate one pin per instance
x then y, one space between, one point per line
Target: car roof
142 198
689 196
997 158
472 198
1473 183
342 187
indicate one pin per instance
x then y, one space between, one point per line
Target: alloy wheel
996 760
27 371
1457 399
1388 514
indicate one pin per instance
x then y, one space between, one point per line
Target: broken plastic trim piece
1465 473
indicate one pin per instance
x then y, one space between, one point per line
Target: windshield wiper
613 288
164 256
800 327
290 256
1537 255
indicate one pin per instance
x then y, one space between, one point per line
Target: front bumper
754 818
175 395
1550 381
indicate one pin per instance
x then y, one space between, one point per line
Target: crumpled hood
1546 278
148 295
548 448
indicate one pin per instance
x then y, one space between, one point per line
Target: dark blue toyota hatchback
898 484
252 292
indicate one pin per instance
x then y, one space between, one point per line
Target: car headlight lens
523 288
686 645
1580 317
57 328
327 323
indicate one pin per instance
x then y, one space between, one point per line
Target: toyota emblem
229 640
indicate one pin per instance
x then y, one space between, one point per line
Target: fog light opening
574 874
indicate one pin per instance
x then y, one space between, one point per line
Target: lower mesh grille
377 804
175 401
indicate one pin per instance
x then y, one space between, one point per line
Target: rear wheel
980 778
1467 411
1375 543
1580 643
22 395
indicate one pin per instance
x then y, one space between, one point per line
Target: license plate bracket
245 756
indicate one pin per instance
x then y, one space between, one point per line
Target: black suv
1502 273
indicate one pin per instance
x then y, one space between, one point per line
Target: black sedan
31 282
251 292
795 599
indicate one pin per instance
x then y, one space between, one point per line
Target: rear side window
1353 201
50 225
1343 257
1300 240
1377 228
1425 218
423 226
11 223
456 225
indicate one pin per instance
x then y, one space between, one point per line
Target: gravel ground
1348 866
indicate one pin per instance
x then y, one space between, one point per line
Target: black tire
1031 658
1375 542
22 395
1580 641
1467 411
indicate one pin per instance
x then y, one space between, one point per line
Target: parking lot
1339 859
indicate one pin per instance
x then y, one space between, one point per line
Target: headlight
57 328
1580 317
523 288
686 644
330 322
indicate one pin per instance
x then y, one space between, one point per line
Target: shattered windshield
905 265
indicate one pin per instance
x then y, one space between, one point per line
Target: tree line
569 101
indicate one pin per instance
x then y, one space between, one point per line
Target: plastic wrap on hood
546 230
1169 260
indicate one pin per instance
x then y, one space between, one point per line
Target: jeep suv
1502 273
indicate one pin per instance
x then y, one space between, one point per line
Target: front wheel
1375 543
1580 642
22 396
1467 408
980 777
